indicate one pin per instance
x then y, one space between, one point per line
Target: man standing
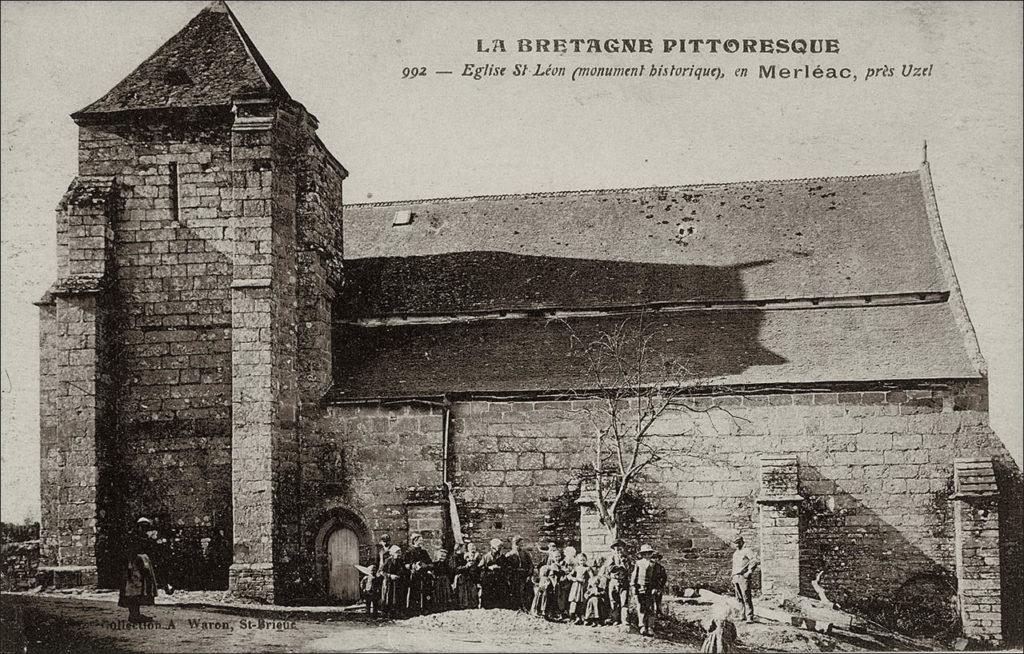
140 572
617 572
520 574
417 564
642 583
493 588
744 562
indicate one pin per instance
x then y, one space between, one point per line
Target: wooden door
342 555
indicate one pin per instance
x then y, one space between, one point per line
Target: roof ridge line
654 309
598 191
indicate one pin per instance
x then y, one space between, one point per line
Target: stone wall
875 470
172 262
218 269
20 565
164 370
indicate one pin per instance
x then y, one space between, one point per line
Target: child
599 570
550 579
580 578
369 588
720 630
595 590
659 583
565 581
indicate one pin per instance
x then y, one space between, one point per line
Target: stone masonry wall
367 458
287 245
172 316
166 298
875 469
173 264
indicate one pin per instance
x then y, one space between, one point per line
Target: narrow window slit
173 173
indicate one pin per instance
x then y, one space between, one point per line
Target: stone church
278 379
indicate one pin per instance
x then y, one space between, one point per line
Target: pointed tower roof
207 63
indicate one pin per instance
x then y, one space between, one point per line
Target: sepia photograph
511 326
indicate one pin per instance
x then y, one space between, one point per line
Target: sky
449 135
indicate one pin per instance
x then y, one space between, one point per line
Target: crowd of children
566 586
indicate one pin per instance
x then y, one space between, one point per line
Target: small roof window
402 218
177 77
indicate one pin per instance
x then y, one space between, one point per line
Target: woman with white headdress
390 573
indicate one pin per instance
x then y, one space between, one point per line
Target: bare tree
626 385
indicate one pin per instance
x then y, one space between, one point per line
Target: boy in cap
642 583
616 570
744 562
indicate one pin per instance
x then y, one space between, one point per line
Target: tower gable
207 63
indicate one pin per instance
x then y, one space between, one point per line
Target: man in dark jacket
140 572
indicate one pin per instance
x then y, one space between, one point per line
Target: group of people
566 586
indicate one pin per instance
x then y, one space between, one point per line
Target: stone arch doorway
342 541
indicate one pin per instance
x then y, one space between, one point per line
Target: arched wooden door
342 555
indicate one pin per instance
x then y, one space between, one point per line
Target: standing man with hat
140 573
744 562
642 581
616 569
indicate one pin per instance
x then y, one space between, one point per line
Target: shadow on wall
872 567
1011 549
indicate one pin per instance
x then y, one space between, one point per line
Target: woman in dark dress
390 574
442 575
467 590
140 572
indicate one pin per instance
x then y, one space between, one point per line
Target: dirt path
50 624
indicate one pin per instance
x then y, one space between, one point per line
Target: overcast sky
446 135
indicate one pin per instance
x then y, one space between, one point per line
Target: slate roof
717 347
828 237
464 262
207 63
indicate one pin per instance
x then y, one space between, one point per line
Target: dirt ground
49 623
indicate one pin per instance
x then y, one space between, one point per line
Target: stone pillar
78 423
780 527
976 539
595 539
264 446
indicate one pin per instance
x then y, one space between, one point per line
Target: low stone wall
20 565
